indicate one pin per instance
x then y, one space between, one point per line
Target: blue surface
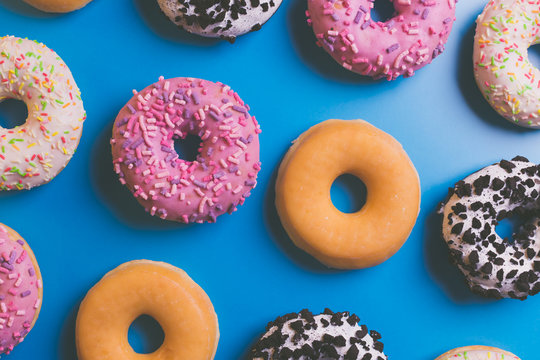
84 223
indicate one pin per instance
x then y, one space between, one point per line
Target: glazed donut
494 266
21 290
407 42
503 72
34 153
477 353
157 289
347 241
58 6
225 170
325 336
215 18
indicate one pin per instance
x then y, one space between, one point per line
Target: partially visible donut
225 170
477 353
32 154
58 6
226 19
21 290
503 72
494 266
328 335
411 39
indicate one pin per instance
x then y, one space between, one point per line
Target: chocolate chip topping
330 335
494 266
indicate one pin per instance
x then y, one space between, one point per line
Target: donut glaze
34 153
226 168
216 18
325 336
58 6
493 266
21 290
340 240
478 353
407 42
503 72
159 290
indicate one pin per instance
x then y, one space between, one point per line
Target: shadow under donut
67 345
116 196
470 91
438 262
154 18
22 8
278 233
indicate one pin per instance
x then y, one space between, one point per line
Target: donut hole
188 147
534 55
348 193
514 227
145 335
383 10
13 113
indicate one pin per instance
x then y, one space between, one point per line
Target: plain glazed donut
330 335
503 72
157 289
21 290
347 241
477 353
407 42
226 168
34 153
494 266
58 6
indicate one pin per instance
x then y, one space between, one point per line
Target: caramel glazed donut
157 289
58 6
494 266
477 353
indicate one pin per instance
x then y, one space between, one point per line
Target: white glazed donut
494 266
477 353
34 153
224 19
503 72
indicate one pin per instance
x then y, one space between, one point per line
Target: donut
493 266
411 39
58 6
478 353
21 290
219 19
503 72
226 168
159 290
328 335
32 154
340 240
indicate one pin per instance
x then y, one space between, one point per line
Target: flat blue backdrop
84 223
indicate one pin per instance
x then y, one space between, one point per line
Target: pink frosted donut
400 46
21 289
226 168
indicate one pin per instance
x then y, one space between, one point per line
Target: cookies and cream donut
226 168
494 266
32 154
21 289
411 39
215 18
58 6
503 72
477 353
341 240
145 287
328 335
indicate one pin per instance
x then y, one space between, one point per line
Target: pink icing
399 46
19 295
226 168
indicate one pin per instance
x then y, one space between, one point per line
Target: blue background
84 223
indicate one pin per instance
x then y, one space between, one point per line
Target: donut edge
456 351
